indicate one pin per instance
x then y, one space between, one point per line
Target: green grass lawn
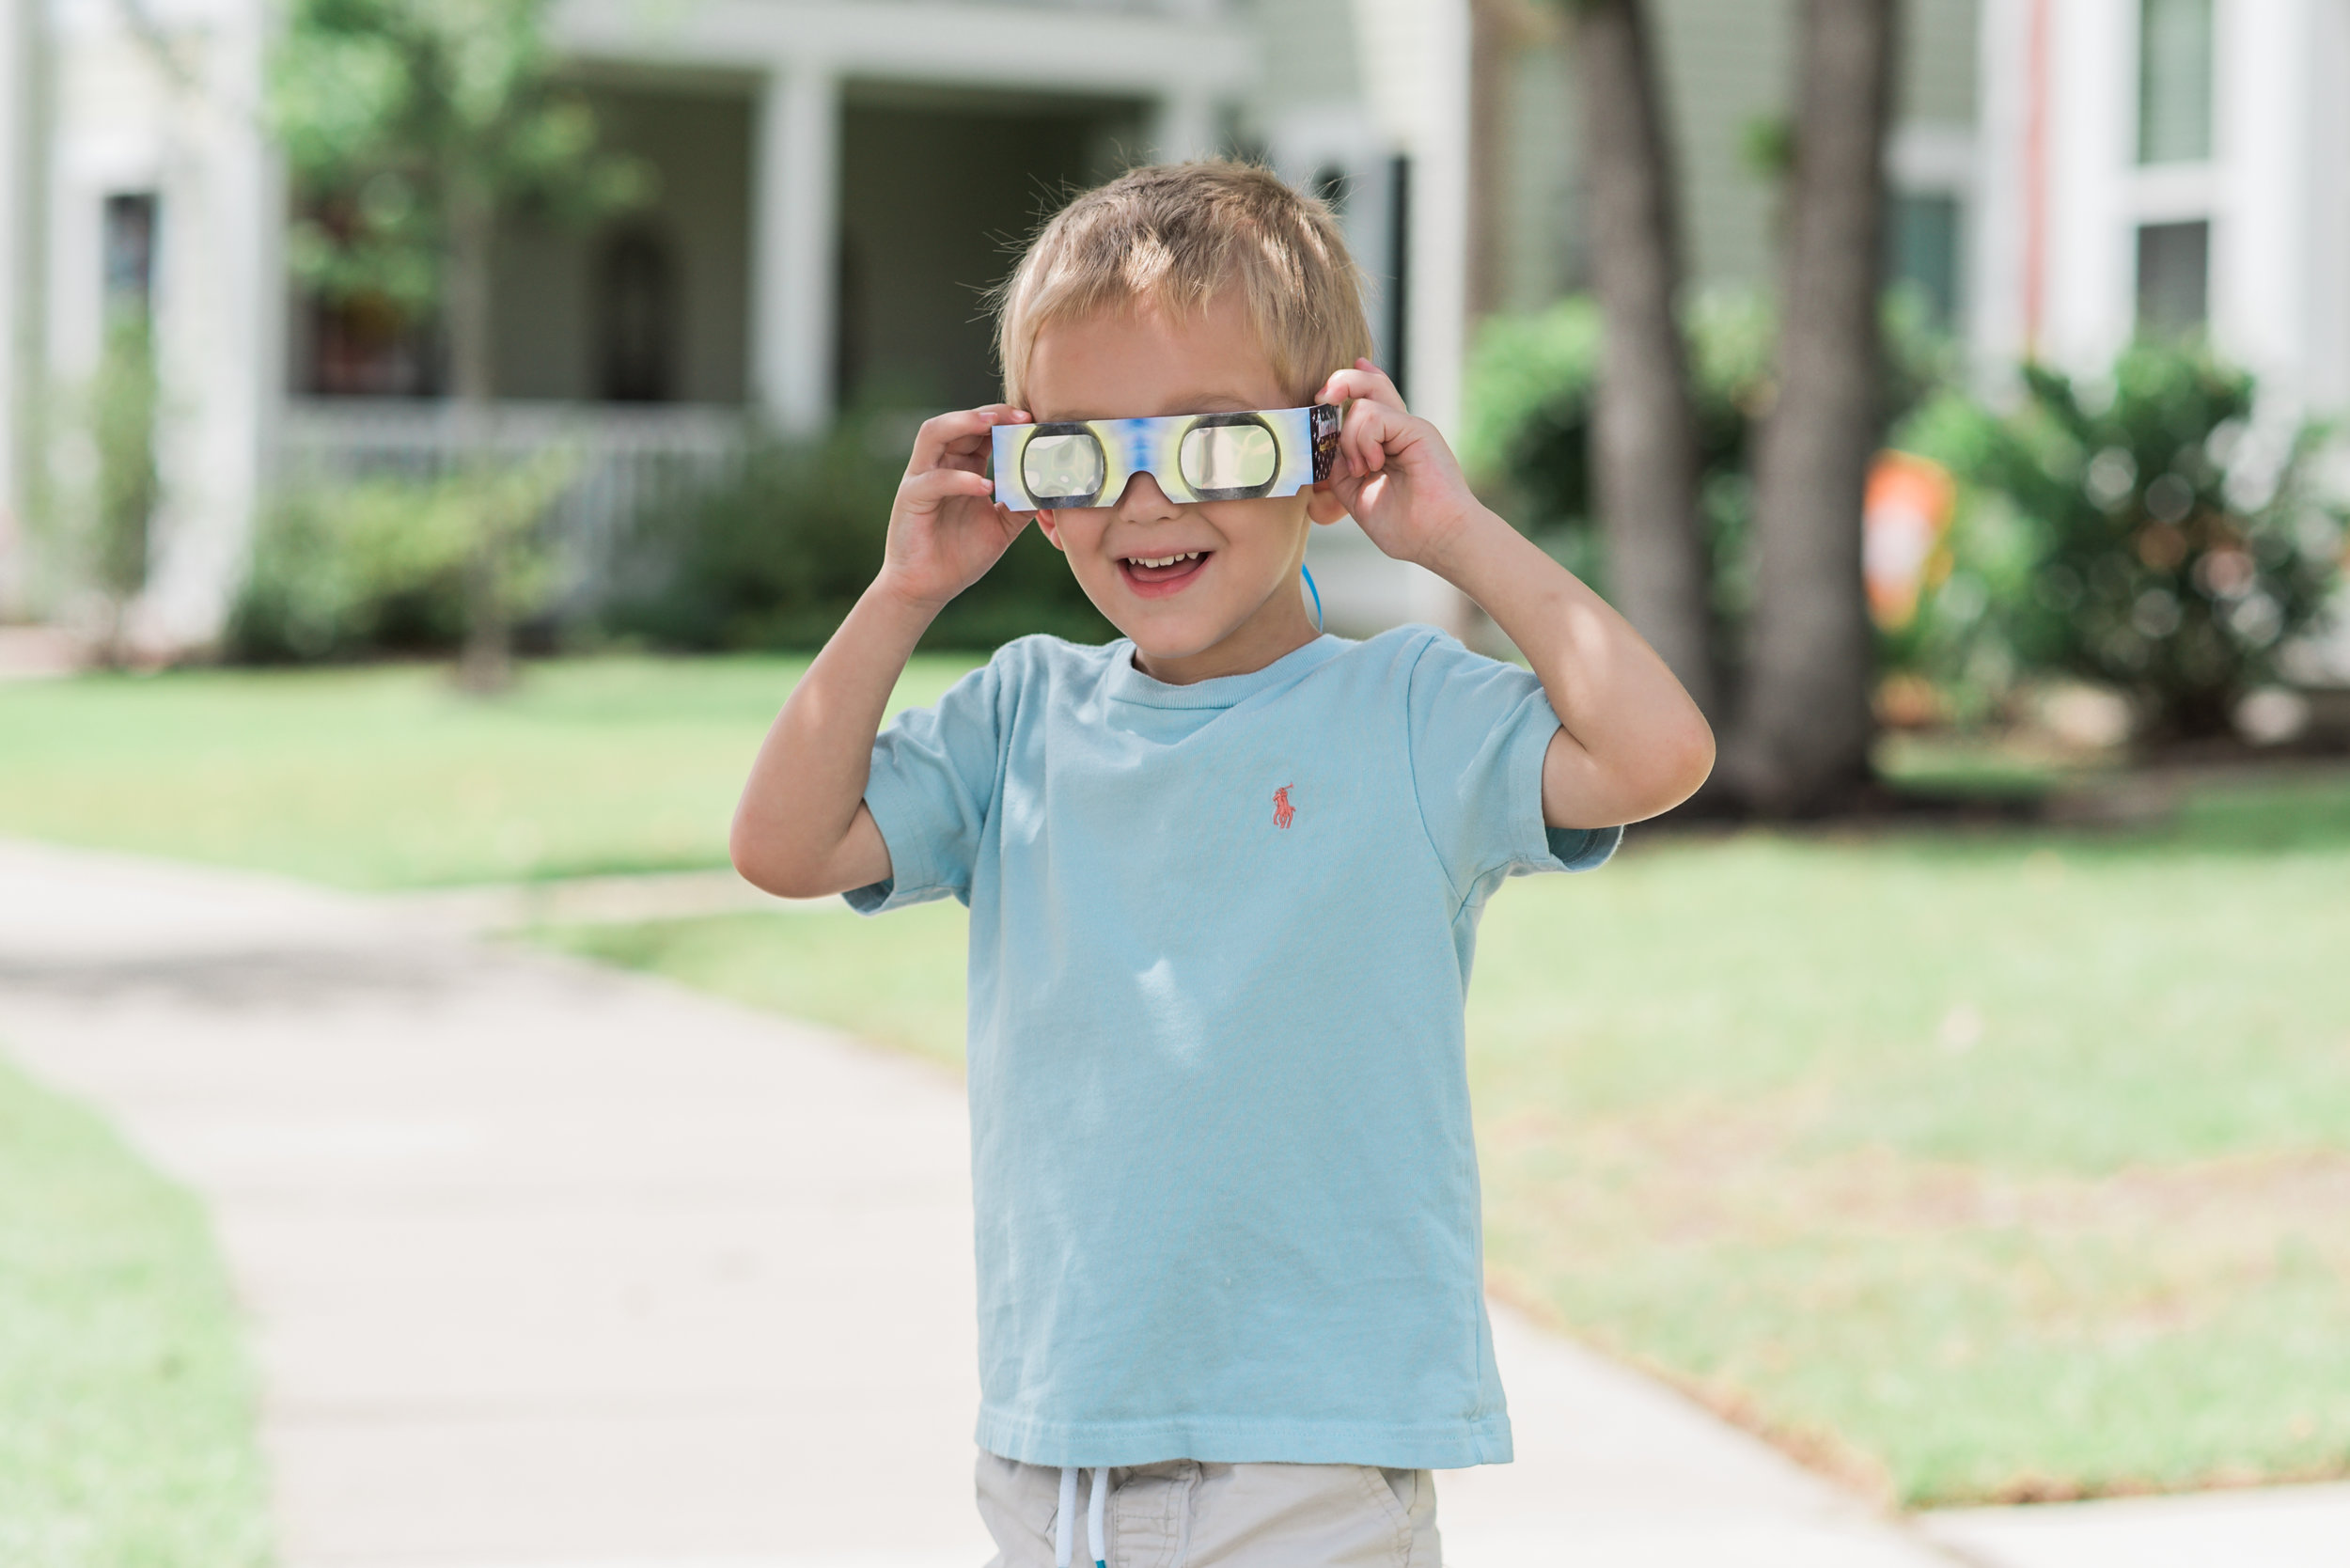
1991 1163
1988 1166
126 1414
386 776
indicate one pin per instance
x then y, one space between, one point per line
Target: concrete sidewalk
550 1265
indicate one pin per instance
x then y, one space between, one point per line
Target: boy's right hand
945 528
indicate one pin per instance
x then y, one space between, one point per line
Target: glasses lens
1229 457
1063 469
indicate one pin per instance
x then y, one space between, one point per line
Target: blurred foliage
2149 533
1531 384
775 556
123 405
393 112
379 564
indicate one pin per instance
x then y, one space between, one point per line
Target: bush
1531 384
773 558
378 564
2156 536
123 404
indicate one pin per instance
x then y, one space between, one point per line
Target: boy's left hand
1394 475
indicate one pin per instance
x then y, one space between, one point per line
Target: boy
1224 877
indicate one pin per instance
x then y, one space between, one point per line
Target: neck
1280 627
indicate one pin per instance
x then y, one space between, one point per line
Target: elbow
1696 760
759 865
1678 769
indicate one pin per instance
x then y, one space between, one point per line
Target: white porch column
220 302
1184 126
1416 66
2265 312
2091 277
796 244
19 258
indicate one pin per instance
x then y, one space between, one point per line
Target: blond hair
1178 235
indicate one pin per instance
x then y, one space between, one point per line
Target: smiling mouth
1155 576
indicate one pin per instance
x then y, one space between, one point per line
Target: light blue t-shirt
1221 939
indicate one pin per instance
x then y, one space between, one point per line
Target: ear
1046 525
1322 504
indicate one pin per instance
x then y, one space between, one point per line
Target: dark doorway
938 195
636 313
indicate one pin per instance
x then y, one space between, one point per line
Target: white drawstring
1066 1516
1064 1520
1094 1507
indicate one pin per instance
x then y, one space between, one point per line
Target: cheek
1074 532
1271 525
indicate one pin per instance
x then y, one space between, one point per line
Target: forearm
800 828
1633 742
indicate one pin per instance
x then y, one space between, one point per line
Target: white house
2171 162
837 179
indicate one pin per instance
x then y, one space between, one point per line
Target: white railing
1188 9
629 459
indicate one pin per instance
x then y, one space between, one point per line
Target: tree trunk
1802 741
1644 432
487 662
1495 37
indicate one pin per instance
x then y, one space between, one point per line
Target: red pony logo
1283 812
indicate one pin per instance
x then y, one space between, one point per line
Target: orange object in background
1904 519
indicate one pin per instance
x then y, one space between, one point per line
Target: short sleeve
1477 730
932 783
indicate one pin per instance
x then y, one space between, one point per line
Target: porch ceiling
1065 47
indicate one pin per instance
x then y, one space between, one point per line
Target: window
636 306
1922 252
130 256
2174 277
368 347
2173 80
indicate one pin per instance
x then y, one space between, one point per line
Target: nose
1143 501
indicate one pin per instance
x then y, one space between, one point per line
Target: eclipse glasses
1194 456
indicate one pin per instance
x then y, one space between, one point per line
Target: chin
1171 641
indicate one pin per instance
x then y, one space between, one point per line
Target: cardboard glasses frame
1193 457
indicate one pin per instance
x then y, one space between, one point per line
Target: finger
968 425
995 413
935 485
1365 380
1365 434
973 451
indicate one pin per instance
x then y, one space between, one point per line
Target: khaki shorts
1188 1514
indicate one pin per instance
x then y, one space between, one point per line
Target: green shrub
378 564
1971 638
123 405
2156 536
775 556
